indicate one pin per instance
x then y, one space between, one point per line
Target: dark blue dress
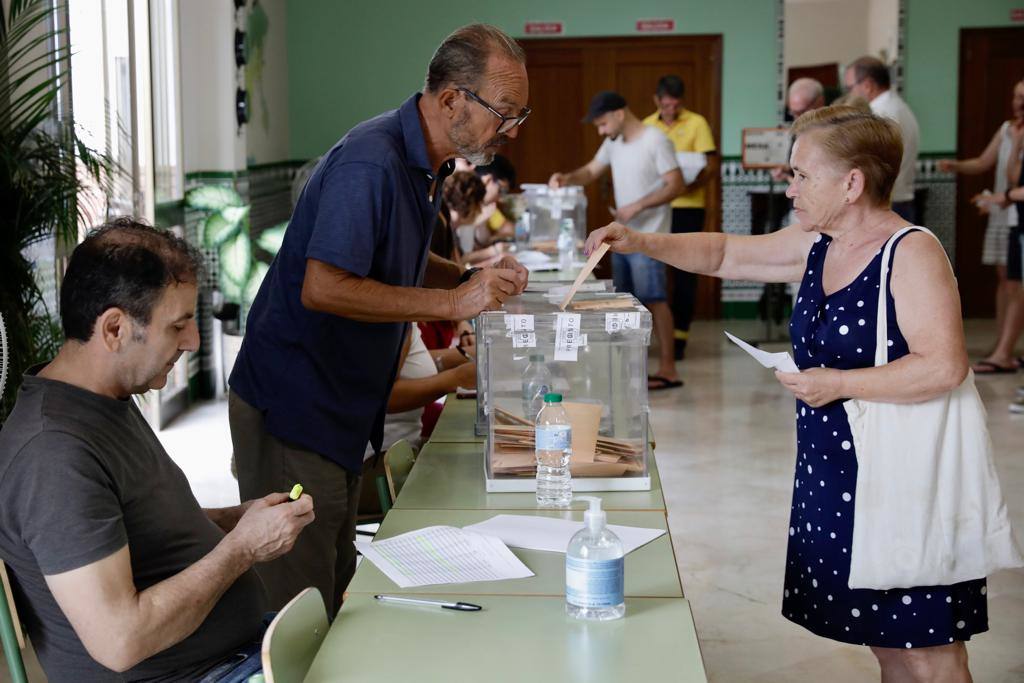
838 331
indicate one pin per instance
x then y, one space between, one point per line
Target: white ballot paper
781 361
443 554
552 534
691 164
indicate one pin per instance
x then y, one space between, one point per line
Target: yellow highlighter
296 492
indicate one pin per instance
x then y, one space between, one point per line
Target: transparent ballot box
540 294
595 355
544 209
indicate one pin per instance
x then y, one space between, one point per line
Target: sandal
660 383
987 367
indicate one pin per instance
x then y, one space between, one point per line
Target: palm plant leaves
44 167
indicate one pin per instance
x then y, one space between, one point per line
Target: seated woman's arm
409 394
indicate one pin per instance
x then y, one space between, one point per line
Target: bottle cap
552 398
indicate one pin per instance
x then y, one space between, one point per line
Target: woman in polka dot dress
845 163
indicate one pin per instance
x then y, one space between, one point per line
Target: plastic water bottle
566 244
523 227
595 569
536 385
553 442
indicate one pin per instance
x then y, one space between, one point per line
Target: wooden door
991 62
566 73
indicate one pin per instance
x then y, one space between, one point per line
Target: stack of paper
513 451
443 554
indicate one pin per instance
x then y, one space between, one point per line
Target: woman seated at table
425 376
845 163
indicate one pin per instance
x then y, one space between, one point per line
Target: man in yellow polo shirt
689 132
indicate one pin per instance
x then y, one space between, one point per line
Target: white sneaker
1018 405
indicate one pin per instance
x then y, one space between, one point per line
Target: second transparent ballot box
540 294
595 354
545 208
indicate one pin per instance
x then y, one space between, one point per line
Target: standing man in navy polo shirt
323 339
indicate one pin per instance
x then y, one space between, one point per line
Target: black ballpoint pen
460 606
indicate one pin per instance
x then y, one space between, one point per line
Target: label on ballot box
519 323
594 583
567 336
524 340
617 322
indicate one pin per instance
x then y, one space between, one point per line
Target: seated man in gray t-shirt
115 566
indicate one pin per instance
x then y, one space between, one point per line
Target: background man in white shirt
647 178
868 77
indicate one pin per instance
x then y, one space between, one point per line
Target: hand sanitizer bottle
594 569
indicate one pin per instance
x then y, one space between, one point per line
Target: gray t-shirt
81 475
637 168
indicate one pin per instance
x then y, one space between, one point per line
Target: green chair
294 637
398 462
10 631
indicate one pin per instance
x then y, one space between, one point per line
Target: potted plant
225 229
44 169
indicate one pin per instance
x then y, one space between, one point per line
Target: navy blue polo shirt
322 381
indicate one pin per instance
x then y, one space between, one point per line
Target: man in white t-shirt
647 178
868 77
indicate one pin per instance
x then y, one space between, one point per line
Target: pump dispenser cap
595 518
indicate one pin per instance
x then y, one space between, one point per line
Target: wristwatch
464 278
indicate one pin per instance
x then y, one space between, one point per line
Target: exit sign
655 25
544 28
1017 14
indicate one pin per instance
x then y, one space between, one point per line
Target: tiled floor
726 454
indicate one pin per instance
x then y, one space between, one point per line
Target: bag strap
882 330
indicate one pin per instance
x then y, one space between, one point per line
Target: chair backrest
398 462
10 631
294 637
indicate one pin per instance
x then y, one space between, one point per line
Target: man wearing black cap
647 178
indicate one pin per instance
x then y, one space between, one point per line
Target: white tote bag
929 510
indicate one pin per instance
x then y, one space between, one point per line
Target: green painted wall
933 60
349 61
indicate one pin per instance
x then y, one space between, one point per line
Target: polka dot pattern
838 331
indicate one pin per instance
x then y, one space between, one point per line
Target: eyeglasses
507 123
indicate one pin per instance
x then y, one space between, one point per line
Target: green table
457 423
511 639
450 476
650 570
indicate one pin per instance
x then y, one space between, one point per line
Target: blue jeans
238 666
640 275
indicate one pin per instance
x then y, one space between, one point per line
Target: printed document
443 554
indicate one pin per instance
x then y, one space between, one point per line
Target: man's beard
478 155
